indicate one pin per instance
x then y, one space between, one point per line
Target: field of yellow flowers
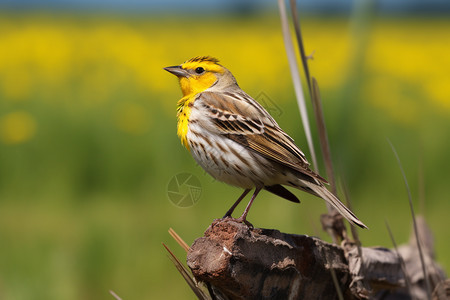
50 58
88 143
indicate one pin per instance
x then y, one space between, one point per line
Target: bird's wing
239 117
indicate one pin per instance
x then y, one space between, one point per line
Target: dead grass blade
313 88
293 66
402 262
114 295
323 136
337 287
419 247
314 92
421 182
298 34
187 276
179 240
353 229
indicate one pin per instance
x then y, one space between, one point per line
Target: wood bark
238 262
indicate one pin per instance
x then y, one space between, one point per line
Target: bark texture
238 262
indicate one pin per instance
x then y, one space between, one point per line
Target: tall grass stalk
416 231
293 66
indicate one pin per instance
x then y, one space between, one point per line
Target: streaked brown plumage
236 140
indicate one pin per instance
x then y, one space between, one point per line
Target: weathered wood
410 255
247 263
239 262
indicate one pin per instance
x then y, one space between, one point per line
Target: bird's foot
227 215
244 220
238 220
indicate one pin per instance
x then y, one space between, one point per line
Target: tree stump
238 262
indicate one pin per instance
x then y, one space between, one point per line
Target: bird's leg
230 211
243 218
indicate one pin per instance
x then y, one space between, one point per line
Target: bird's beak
177 71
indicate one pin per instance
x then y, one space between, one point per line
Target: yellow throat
191 85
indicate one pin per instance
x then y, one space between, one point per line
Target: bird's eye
199 70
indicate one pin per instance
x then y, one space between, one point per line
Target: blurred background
88 145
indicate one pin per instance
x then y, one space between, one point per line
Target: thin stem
416 231
402 262
298 34
293 66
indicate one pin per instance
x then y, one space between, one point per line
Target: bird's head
200 73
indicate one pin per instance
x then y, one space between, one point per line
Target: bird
235 140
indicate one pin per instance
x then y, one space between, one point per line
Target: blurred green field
88 140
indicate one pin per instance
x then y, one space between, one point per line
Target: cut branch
243 263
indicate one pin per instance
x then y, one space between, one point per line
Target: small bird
234 139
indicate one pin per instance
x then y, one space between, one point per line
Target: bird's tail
325 194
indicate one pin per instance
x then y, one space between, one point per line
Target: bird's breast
184 106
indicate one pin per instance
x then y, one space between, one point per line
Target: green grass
83 200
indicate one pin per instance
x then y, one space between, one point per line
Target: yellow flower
17 127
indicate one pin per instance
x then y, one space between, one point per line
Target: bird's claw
237 220
244 220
